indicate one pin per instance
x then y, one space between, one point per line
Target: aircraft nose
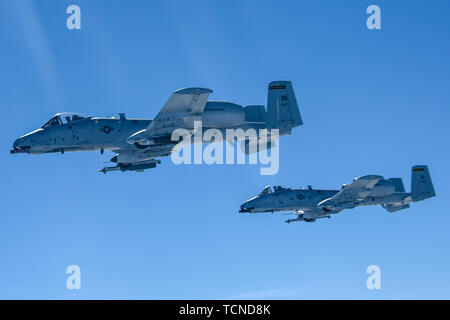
21 145
246 207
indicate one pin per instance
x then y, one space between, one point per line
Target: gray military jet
139 142
309 204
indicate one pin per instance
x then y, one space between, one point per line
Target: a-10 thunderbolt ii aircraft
309 204
139 142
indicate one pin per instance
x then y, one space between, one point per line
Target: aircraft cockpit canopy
64 118
266 190
279 188
274 189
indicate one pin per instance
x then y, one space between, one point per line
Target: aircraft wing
250 146
357 190
179 111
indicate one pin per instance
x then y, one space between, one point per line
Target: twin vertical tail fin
421 188
421 185
282 108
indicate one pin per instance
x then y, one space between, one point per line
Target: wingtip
279 82
370 177
193 90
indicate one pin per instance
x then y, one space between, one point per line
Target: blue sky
373 102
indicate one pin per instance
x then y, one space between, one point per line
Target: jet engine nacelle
382 188
130 158
219 114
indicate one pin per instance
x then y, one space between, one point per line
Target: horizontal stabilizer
249 146
394 207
